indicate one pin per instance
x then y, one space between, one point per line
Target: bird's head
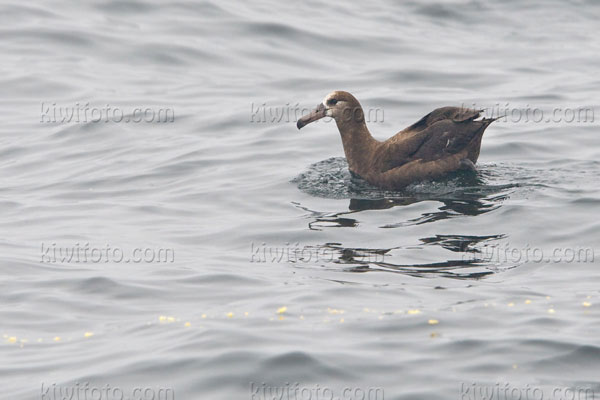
339 105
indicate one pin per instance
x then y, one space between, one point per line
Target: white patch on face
329 111
326 99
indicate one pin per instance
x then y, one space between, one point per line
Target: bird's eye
332 102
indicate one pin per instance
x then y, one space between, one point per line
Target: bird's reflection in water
468 202
469 263
468 195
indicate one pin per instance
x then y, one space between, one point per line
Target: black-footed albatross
445 140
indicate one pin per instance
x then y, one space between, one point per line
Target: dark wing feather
458 114
449 137
443 132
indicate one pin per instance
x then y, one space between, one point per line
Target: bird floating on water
445 140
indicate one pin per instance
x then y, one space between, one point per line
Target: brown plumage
445 140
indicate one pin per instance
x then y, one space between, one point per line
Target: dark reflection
470 201
322 222
470 266
463 194
460 243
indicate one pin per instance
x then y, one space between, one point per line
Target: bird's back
444 132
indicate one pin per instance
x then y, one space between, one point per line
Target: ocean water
258 267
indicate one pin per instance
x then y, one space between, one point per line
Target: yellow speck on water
527 301
187 324
281 317
551 311
334 311
88 334
12 339
302 317
230 315
281 310
433 322
365 309
515 366
547 297
203 315
511 304
433 334
57 338
589 297
245 313
341 320
413 312
398 312
586 304
165 319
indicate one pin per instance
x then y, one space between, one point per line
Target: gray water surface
286 271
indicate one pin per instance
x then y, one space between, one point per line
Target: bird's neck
358 144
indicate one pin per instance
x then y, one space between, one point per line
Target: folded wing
443 132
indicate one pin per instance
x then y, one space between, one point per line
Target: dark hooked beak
316 114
